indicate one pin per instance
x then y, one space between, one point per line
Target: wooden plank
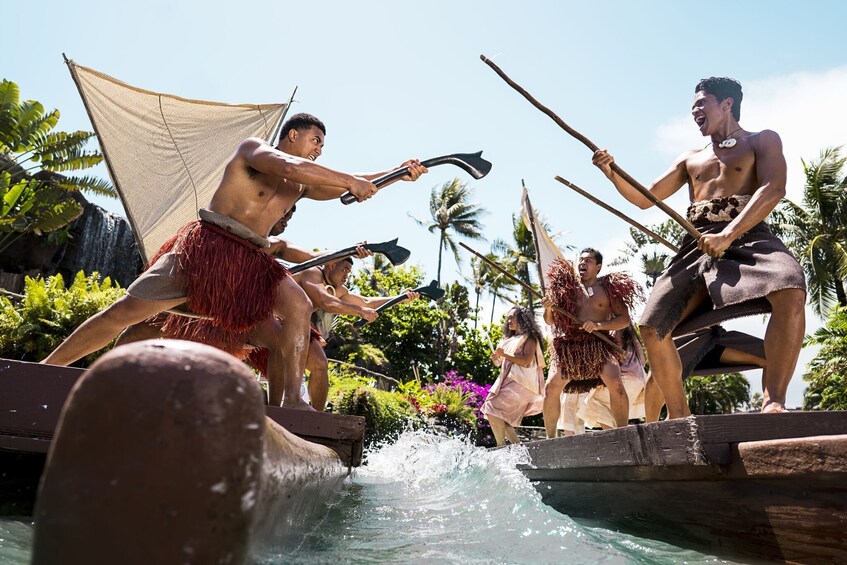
32 396
737 428
318 424
671 442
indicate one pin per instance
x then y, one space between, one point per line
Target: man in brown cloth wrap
218 268
326 288
737 267
582 361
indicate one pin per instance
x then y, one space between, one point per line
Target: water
437 499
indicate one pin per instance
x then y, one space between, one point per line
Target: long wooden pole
537 294
619 214
688 226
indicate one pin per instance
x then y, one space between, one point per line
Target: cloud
806 109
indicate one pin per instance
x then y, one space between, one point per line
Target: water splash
435 498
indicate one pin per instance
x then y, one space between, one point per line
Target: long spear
688 226
537 294
620 215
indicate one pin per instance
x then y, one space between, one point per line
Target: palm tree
717 394
654 257
817 231
499 285
520 256
34 197
452 211
477 280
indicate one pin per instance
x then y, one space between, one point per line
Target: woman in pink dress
519 390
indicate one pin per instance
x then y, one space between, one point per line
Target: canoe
163 453
742 486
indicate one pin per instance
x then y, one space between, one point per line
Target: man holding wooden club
217 265
737 266
326 287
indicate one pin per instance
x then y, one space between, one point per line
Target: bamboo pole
537 294
620 215
687 226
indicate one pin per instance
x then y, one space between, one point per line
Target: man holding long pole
735 181
597 305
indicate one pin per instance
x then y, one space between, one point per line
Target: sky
398 80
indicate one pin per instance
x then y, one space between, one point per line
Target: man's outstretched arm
664 186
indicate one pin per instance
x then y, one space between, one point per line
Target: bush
387 414
49 312
451 406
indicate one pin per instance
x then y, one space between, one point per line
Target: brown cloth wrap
755 265
579 355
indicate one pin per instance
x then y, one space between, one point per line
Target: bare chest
722 172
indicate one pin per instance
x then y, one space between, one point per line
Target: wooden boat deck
750 486
31 401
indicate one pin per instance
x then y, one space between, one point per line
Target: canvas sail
166 154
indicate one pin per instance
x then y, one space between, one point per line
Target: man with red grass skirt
582 361
218 268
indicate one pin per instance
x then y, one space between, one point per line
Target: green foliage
34 198
816 232
387 414
472 357
404 334
49 312
654 256
717 394
827 374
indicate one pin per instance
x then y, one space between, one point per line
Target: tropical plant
519 256
34 197
827 372
450 210
717 394
498 284
49 312
387 414
405 334
654 257
817 231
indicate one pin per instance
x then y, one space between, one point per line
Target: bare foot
773 408
299 405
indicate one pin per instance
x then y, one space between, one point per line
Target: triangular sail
546 251
166 155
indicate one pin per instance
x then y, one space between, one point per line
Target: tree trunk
440 249
476 308
493 302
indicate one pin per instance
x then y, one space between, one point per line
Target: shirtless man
326 288
260 184
583 361
734 183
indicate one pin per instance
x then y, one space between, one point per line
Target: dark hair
299 122
596 254
722 88
526 323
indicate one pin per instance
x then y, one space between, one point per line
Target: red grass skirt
229 280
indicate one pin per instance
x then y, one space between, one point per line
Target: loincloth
580 357
755 265
700 352
225 278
